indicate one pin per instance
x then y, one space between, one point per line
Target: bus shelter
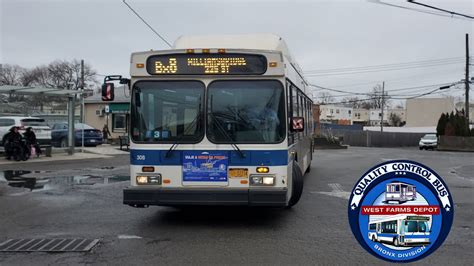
69 94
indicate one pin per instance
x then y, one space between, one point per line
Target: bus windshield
416 226
167 111
250 111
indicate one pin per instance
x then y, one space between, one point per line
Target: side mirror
297 124
108 92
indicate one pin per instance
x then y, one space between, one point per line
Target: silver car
428 141
39 126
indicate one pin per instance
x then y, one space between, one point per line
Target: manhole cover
48 245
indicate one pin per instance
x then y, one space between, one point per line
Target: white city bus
401 230
218 120
400 192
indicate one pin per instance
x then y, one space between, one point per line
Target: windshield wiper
224 132
176 142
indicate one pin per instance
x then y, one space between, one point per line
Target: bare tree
355 102
325 97
10 74
395 120
67 75
57 74
376 98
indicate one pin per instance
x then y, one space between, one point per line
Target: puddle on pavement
16 178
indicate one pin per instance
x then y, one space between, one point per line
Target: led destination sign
207 64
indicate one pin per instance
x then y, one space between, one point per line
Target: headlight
261 180
269 181
142 180
148 180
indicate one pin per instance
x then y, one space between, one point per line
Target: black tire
297 185
373 239
421 148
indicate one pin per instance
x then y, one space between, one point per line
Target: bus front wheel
373 239
297 185
395 242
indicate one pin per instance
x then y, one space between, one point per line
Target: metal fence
375 138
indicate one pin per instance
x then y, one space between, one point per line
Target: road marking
336 187
454 173
128 237
337 191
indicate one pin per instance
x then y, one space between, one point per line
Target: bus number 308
140 157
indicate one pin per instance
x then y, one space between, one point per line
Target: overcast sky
320 34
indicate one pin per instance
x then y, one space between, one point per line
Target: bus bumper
141 197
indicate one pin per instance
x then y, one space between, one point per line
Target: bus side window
290 111
294 95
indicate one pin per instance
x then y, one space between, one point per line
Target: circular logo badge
400 211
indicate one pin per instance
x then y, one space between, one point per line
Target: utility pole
82 103
382 105
82 91
466 82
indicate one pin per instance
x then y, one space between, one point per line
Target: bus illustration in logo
400 192
401 230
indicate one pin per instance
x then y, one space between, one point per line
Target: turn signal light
206 51
190 51
273 64
140 65
166 181
263 170
148 169
221 51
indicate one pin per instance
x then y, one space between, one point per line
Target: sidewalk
59 154
104 149
56 157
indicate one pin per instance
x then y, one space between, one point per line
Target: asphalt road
315 231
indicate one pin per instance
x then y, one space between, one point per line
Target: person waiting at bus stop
31 140
105 133
12 141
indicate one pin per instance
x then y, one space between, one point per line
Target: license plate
238 173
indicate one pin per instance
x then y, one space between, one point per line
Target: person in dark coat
105 133
30 137
12 142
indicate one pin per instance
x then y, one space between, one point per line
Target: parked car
428 141
39 126
59 135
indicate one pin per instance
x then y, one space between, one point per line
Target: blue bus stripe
252 157
394 234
